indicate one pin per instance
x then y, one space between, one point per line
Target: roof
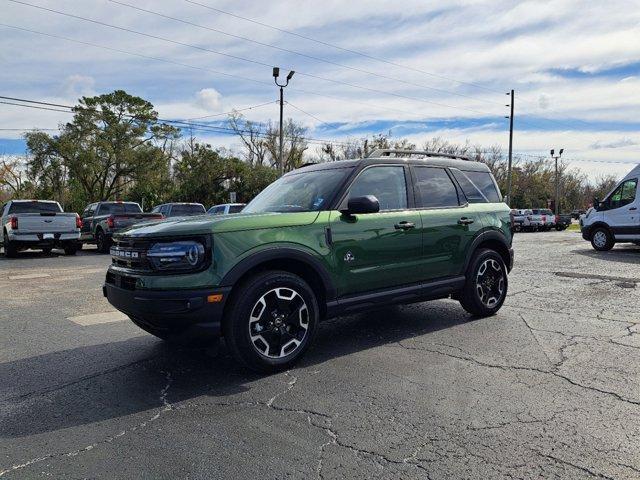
403 157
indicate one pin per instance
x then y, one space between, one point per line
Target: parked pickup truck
563 221
101 220
40 224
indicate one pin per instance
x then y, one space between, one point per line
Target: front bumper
176 311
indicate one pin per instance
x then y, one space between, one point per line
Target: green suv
322 241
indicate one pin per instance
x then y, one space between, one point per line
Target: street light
557 200
276 74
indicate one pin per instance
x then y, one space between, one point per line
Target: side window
624 194
155 209
485 183
218 210
387 184
435 188
470 190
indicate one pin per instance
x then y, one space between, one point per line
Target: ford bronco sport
322 241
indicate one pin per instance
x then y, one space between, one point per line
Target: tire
10 250
47 250
271 321
102 241
601 239
70 249
486 286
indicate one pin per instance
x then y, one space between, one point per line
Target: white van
616 219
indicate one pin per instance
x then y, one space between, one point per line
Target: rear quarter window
486 184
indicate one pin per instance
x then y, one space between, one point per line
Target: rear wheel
271 321
602 240
46 250
71 249
10 250
102 241
486 285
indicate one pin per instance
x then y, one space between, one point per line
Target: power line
33 106
355 52
307 113
237 57
231 111
28 129
217 72
294 52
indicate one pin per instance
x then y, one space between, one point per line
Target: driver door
622 212
381 250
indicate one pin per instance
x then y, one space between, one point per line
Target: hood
206 224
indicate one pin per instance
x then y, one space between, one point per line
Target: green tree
112 143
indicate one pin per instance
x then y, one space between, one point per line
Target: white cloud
622 142
209 99
76 86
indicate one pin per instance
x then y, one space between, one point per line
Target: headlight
180 255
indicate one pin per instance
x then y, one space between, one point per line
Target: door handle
465 221
404 225
633 208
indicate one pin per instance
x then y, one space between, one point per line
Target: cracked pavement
548 388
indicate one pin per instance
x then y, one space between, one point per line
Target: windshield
189 209
35 207
299 192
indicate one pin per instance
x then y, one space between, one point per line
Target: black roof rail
388 151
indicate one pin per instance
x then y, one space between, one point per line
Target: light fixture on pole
276 74
557 199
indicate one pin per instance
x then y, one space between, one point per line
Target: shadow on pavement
49 403
620 253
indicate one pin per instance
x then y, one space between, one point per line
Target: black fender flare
486 235
599 224
282 254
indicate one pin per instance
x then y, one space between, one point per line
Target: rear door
622 212
449 223
378 250
87 219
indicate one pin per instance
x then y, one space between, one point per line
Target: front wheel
602 240
71 249
485 288
271 321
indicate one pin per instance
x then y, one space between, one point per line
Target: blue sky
575 67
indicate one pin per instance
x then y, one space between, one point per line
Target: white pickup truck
39 224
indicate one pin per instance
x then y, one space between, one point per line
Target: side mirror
366 204
596 203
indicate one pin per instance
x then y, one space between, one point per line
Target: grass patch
574 227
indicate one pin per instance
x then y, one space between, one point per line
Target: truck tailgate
46 222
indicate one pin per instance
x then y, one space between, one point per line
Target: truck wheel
102 242
485 288
10 250
602 240
271 321
46 250
70 249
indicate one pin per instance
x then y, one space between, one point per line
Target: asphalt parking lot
548 388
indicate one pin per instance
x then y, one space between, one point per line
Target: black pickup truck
101 220
563 221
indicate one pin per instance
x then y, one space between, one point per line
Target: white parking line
98 318
29 276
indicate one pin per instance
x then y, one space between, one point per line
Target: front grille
121 281
131 254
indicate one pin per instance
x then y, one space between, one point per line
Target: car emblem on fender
349 257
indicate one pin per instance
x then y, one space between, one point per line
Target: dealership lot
546 388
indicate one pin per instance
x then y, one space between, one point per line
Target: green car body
351 262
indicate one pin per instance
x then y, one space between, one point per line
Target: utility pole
557 199
276 74
510 148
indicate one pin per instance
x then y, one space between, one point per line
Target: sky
417 68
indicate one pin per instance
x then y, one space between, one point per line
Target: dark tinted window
471 191
115 208
624 194
484 182
185 210
235 208
435 188
387 184
34 207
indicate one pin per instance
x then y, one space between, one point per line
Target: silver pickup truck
39 224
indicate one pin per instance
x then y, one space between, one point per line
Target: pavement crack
571 464
166 406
